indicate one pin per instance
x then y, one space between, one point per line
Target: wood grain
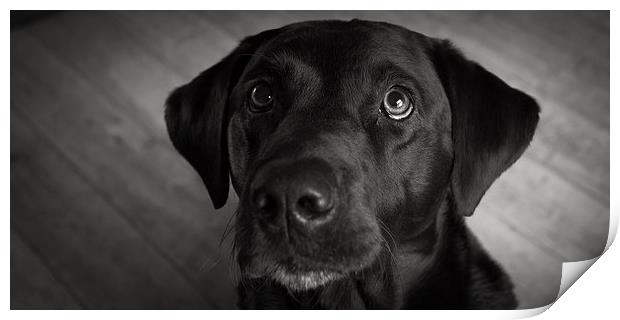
33 284
100 256
123 159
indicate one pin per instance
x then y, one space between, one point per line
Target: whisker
388 248
385 228
228 229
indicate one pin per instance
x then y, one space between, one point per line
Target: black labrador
356 149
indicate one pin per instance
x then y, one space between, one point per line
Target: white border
594 294
311 5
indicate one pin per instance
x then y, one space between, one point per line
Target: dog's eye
397 103
261 97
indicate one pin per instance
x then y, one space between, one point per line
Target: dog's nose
303 191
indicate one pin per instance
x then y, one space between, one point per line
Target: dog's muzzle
302 227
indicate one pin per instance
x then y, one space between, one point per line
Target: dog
357 148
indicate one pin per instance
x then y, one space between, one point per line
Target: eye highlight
397 104
261 97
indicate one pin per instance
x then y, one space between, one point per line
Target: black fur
395 235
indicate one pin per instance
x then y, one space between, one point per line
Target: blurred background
105 214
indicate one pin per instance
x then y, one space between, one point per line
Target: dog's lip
296 277
304 279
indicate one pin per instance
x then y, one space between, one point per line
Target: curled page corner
571 271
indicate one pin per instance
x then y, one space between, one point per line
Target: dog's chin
304 280
294 278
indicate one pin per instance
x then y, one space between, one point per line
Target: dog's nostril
313 204
267 205
264 201
260 200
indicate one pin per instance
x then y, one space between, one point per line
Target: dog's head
336 133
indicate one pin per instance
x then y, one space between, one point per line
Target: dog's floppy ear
197 116
492 124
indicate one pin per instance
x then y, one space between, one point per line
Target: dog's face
341 135
334 128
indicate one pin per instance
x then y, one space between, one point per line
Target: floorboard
125 161
86 244
33 285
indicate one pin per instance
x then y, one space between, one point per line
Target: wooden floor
105 214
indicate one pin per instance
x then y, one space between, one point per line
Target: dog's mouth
300 280
307 261
298 227
291 273
299 274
